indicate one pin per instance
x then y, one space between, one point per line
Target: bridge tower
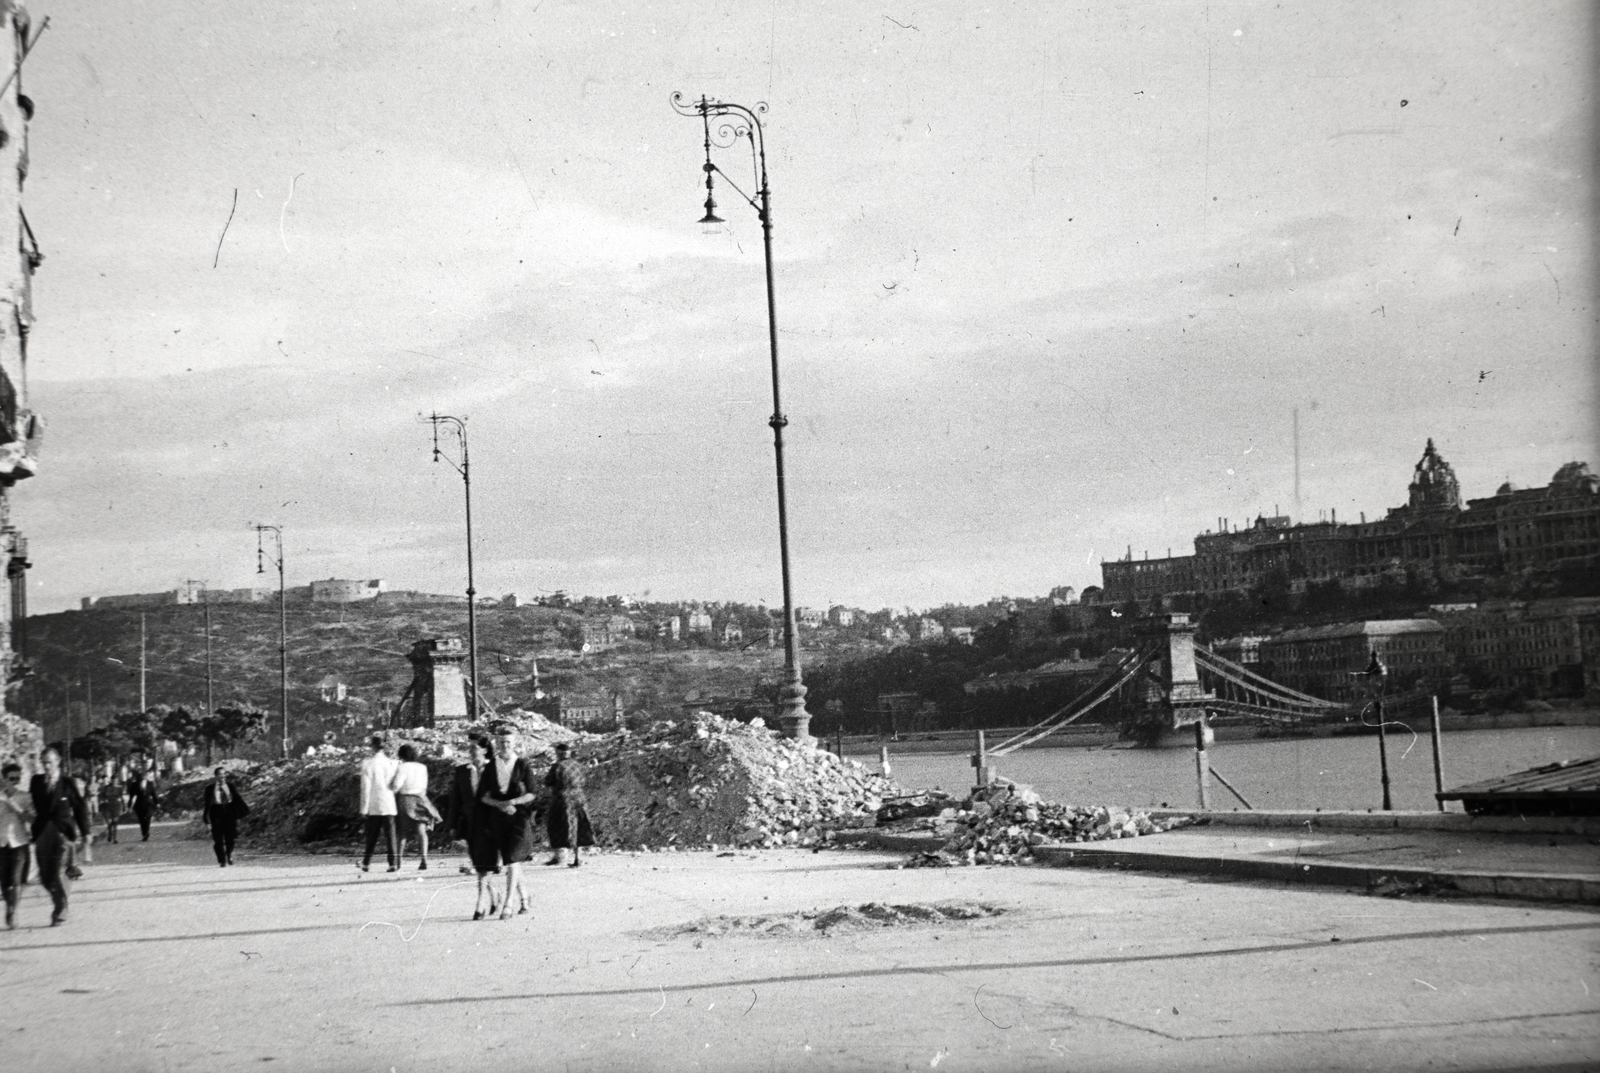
438 686
1173 695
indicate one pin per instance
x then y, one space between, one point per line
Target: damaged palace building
1515 530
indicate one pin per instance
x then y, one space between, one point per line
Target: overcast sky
1051 281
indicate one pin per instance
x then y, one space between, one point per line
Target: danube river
1282 773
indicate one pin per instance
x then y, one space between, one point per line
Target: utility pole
142 706
283 622
205 598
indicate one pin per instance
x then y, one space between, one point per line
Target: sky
1052 283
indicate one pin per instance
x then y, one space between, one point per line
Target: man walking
60 819
142 796
377 803
224 808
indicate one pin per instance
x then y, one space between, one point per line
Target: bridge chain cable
1115 679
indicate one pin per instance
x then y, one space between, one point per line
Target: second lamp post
735 121
459 427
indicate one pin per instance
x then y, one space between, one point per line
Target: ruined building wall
20 429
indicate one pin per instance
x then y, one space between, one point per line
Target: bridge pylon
1173 695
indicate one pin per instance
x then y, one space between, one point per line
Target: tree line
143 733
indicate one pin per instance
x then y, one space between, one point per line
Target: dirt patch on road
869 916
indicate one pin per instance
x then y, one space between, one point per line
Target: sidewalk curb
1544 887
1390 821
1580 889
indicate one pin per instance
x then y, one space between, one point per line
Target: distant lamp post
283 620
735 121
1376 673
458 425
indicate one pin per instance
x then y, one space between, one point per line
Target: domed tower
1574 479
1433 483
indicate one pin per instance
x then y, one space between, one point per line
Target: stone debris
719 782
705 781
1004 823
872 915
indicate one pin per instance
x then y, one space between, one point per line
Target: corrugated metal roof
1566 777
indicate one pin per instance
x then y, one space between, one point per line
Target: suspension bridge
1170 681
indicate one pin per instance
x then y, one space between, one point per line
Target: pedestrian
142 797
567 822
506 795
482 855
113 802
415 813
224 808
377 803
60 820
90 789
16 822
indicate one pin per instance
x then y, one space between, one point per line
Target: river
1283 773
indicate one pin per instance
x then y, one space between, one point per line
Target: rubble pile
703 781
314 798
1004 823
715 781
869 916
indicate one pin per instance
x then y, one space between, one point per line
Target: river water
1283 773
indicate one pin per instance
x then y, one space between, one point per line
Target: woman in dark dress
463 821
568 820
504 822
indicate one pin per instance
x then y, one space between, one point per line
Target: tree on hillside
140 731
232 725
178 725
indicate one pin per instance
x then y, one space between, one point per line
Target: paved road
170 963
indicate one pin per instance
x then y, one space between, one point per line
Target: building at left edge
20 427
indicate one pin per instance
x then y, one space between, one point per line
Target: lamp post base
793 718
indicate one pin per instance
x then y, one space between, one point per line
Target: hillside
87 662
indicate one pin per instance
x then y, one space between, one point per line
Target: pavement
1552 859
704 960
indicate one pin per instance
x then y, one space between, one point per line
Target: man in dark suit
60 820
224 808
142 796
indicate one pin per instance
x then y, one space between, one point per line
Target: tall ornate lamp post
735 121
459 427
283 620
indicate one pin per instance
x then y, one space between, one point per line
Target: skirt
500 839
416 811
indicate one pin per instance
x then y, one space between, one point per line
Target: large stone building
20 428
1514 530
1327 660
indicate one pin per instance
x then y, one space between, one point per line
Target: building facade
20 428
1330 661
1514 530
341 591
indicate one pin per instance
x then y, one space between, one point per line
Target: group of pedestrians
53 821
51 816
494 797
395 804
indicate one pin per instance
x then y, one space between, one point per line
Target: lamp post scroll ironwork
735 121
